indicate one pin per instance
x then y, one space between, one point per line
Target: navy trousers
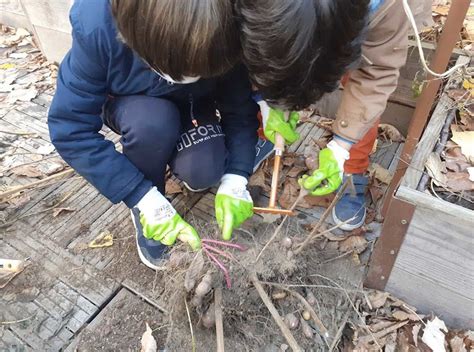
156 133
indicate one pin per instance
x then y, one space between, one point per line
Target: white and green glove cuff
235 186
155 207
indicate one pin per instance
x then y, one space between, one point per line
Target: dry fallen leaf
317 201
459 181
470 171
27 170
148 341
258 179
193 272
172 187
22 95
466 141
290 193
436 169
357 244
457 344
9 269
378 298
402 315
18 202
415 331
45 149
442 10
58 211
380 173
104 239
390 133
433 335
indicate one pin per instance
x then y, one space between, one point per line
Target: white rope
410 16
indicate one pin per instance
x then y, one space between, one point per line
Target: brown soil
248 325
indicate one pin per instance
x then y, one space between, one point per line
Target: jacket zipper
191 107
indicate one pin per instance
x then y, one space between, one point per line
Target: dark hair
180 37
298 50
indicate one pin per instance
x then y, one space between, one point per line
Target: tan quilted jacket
369 87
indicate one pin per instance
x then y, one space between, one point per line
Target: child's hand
233 204
274 121
162 223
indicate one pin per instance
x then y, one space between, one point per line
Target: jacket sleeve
369 87
239 120
74 119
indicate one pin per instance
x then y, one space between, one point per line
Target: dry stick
276 316
17 189
303 193
219 320
307 306
17 321
323 218
19 133
382 333
193 341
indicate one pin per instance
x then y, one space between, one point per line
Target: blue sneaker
152 253
263 150
350 212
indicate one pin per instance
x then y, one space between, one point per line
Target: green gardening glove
274 121
328 177
161 223
233 204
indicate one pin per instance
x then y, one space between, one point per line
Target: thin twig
193 341
18 189
276 316
337 257
303 193
219 319
353 306
326 213
339 331
19 133
378 335
17 321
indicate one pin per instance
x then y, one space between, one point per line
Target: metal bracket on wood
388 245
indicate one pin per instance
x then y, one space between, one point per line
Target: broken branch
276 316
219 319
17 189
307 306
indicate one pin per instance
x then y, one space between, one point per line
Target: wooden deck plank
10 342
27 123
81 278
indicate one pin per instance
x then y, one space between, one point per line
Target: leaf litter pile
450 167
252 294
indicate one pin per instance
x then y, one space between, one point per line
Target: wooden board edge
425 200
